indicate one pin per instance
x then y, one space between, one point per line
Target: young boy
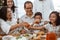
37 22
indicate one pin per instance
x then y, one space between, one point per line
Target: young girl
54 21
54 24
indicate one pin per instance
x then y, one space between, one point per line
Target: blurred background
20 5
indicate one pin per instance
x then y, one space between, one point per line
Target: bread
41 33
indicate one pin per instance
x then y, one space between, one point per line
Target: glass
51 36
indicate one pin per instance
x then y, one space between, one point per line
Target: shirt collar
29 17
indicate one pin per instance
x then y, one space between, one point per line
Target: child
37 22
54 24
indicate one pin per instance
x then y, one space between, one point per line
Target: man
43 6
28 17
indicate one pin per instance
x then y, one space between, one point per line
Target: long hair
58 18
12 8
3 13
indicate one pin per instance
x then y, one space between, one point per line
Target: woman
11 21
54 24
10 4
5 17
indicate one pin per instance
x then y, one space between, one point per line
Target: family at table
30 23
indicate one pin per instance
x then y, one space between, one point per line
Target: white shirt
4 26
45 7
27 19
50 28
15 14
38 25
12 22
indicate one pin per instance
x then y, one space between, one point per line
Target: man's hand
26 24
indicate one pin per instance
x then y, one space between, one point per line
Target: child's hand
37 21
46 22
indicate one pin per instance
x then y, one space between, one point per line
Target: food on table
41 33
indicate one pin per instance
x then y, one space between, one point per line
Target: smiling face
9 13
53 18
9 3
28 8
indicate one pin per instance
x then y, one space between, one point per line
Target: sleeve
58 33
20 20
5 27
42 23
16 13
48 27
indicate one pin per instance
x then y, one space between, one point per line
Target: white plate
9 37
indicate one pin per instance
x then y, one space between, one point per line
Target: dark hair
27 2
58 18
12 8
3 13
38 13
59 14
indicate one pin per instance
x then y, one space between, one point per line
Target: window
20 5
56 4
